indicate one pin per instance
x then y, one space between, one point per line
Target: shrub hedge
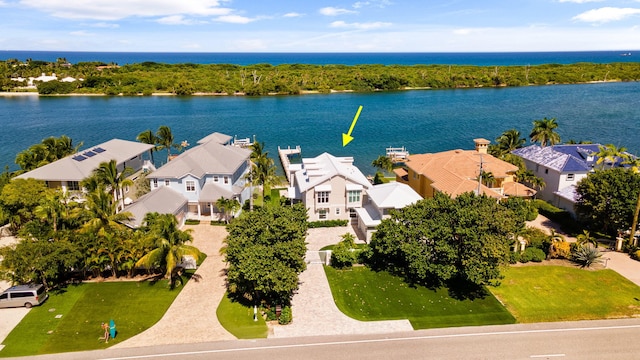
327 223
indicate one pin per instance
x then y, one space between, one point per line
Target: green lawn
238 320
557 293
367 295
134 306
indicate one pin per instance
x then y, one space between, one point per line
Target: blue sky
319 26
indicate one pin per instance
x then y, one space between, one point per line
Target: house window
537 167
353 196
191 185
155 183
126 189
73 186
226 179
352 213
546 171
323 197
215 178
570 176
167 182
415 175
337 211
322 214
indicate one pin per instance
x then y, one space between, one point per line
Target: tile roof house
379 201
561 167
455 172
212 169
330 187
68 172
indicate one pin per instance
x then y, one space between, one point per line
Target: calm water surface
421 120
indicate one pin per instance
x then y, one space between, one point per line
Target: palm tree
509 141
148 137
528 177
488 179
101 214
165 140
633 162
544 132
228 207
107 173
586 238
263 174
609 154
169 245
383 163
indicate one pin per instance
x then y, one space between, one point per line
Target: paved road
585 340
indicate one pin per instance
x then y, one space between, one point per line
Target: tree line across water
262 79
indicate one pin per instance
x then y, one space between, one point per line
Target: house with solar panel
67 173
562 167
190 184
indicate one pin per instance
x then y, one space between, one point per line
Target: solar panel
99 150
78 158
89 154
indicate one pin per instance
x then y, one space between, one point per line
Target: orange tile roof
516 189
456 171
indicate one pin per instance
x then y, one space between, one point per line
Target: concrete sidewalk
192 316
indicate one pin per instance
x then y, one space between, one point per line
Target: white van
23 295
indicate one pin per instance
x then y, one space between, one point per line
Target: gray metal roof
206 158
163 200
79 166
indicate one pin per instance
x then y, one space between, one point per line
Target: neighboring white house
330 187
164 200
379 201
561 167
203 174
68 172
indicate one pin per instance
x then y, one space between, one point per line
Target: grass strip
134 306
561 293
367 295
238 320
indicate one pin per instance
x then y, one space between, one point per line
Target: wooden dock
284 154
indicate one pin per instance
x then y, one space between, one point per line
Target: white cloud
360 26
372 3
176 20
120 9
292 14
579 1
105 25
606 14
332 11
234 19
81 33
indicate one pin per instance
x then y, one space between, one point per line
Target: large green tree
607 199
265 251
441 239
544 132
108 174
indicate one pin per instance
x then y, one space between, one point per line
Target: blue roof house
561 167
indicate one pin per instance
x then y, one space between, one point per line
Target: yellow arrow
346 138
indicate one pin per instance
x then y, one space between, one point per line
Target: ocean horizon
343 58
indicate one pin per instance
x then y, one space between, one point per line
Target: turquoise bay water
421 120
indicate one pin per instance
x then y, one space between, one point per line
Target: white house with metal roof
380 200
164 200
330 187
561 167
68 172
212 169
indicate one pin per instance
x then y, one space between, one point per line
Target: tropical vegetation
265 252
440 239
262 79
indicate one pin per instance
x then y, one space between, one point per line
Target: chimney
481 145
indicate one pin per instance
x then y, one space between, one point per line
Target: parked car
23 295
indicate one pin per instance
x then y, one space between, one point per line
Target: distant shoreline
303 92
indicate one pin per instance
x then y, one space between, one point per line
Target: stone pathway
192 316
314 311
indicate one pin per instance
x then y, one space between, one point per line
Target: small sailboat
626 54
